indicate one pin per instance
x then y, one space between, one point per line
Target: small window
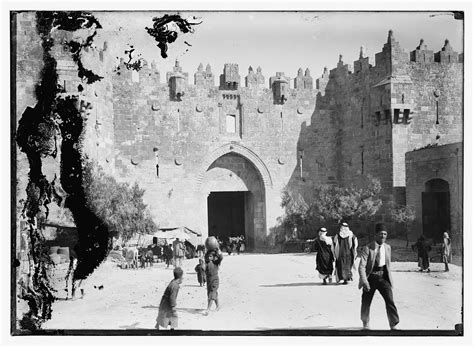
396 117
406 116
230 123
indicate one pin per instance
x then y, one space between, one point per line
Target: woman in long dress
345 252
324 256
446 251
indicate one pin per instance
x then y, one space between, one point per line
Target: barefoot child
201 272
213 259
167 315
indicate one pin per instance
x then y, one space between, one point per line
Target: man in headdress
374 274
345 252
324 255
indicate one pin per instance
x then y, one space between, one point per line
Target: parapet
204 78
278 76
341 68
447 54
177 70
303 81
421 54
362 64
254 80
230 79
323 80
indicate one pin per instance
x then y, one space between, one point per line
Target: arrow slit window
230 125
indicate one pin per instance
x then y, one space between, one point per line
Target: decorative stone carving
199 108
155 106
281 161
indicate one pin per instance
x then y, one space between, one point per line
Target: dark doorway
226 214
435 209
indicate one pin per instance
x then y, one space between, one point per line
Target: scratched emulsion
162 33
59 119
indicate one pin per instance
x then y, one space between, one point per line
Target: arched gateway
234 181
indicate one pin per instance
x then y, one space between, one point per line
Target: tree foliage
333 203
119 205
326 205
404 215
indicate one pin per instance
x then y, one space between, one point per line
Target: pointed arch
238 149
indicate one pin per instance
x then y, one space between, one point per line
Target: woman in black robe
324 256
423 248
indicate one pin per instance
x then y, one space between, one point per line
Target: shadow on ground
307 284
133 326
150 306
199 311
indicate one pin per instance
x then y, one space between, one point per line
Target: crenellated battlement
392 65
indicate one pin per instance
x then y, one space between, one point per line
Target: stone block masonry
264 137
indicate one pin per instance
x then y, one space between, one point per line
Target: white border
7 6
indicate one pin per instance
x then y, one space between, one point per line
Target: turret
230 79
421 54
447 54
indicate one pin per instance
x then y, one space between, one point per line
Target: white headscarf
345 232
323 237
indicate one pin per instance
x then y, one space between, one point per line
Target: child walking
201 272
213 260
167 315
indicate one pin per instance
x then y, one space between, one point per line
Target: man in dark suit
374 274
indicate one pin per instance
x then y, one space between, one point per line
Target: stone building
434 187
215 158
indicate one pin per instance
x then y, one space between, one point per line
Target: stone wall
370 117
151 127
358 121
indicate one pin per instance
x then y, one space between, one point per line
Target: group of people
341 250
333 255
374 267
232 245
171 253
423 248
207 272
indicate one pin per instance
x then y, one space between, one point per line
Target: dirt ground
259 291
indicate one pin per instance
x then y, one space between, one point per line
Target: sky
279 41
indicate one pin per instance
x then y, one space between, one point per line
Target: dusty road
280 291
